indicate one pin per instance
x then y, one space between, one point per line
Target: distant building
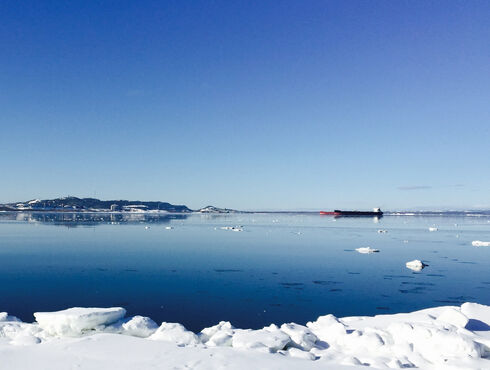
115 207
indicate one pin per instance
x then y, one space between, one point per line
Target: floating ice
433 229
75 321
168 227
415 265
366 250
147 227
232 228
479 243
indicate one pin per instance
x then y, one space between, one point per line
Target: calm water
281 268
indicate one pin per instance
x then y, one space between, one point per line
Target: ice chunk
454 317
269 339
415 265
433 229
175 333
75 321
140 326
301 336
476 311
367 250
219 335
479 243
3 316
297 353
327 328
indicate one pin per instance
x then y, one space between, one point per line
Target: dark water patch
468 262
349 250
291 284
326 282
417 284
446 301
391 277
275 273
227 270
102 269
275 304
454 259
436 275
130 270
382 308
353 273
463 298
486 282
335 290
415 290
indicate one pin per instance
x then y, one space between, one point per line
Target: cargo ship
337 212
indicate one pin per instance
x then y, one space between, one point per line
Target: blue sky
247 104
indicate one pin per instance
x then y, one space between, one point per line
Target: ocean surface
280 268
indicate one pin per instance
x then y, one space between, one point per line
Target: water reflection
75 219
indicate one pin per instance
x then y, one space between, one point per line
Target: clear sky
247 104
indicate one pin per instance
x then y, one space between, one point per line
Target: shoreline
94 338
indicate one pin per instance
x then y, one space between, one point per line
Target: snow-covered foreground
101 338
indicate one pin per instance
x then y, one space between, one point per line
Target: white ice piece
433 229
175 333
454 317
301 336
268 339
479 243
140 326
415 265
75 321
367 250
218 336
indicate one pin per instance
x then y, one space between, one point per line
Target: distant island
74 204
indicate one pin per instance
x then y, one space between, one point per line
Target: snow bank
75 321
448 337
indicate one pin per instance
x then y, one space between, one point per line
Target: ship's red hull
330 213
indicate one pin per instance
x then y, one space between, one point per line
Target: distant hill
92 204
213 209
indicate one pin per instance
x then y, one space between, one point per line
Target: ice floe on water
367 250
416 265
479 243
433 229
449 337
232 228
